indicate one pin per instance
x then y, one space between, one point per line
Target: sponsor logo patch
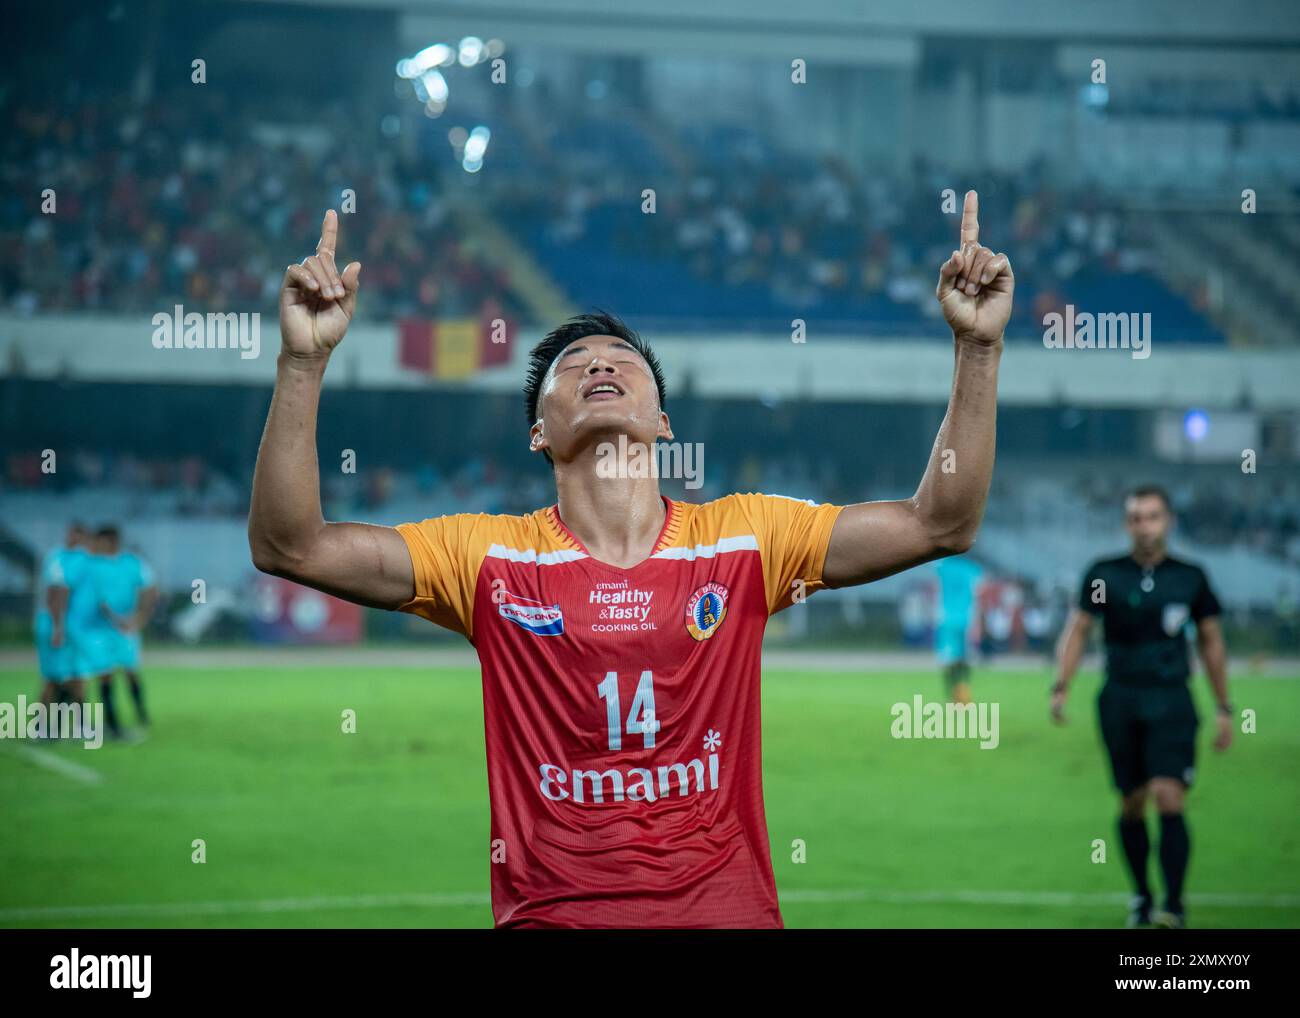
1175 616
538 618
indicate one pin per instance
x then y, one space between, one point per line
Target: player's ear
536 439
665 429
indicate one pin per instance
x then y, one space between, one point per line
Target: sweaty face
1147 521
599 387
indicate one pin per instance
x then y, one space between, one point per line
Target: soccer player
59 617
619 631
1145 600
959 576
126 597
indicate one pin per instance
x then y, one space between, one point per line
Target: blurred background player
1145 600
126 597
63 571
959 577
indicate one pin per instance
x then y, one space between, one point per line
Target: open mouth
602 391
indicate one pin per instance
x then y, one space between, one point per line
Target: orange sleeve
793 535
446 552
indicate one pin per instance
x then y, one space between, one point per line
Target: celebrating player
619 631
1146 599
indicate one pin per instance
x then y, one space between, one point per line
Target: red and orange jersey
621 706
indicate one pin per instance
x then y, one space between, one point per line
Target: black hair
1151 491
108 530
598 323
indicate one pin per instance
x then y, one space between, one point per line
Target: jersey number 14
640 718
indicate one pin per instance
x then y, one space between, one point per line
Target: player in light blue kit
959 577
127 595
64 600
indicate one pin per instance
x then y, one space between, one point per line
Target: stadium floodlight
437 55
471 50
1196 425
435 86
1096 96
476 144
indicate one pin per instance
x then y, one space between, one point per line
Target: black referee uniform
1148 720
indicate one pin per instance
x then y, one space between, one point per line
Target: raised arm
875 539
287 534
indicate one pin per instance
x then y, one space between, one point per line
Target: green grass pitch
307 827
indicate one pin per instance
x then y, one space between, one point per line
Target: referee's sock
1175 848
1133 835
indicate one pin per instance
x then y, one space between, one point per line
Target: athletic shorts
128 654
950 643
57 664
103 650
1149 732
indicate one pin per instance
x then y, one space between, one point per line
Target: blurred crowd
1261 515
187 485
836 241
196 202
170 203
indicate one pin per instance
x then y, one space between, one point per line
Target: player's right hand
316 301
1058 706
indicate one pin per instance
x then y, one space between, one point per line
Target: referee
1145 600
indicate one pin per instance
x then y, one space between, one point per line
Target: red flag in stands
454 347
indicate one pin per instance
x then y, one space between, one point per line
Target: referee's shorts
1149 732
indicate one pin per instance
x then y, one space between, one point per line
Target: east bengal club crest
705 610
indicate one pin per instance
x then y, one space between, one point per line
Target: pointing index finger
329 232
970 222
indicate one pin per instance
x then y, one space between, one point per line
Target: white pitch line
57 764
1049 899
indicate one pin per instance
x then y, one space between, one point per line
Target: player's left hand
976 284
1223 738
